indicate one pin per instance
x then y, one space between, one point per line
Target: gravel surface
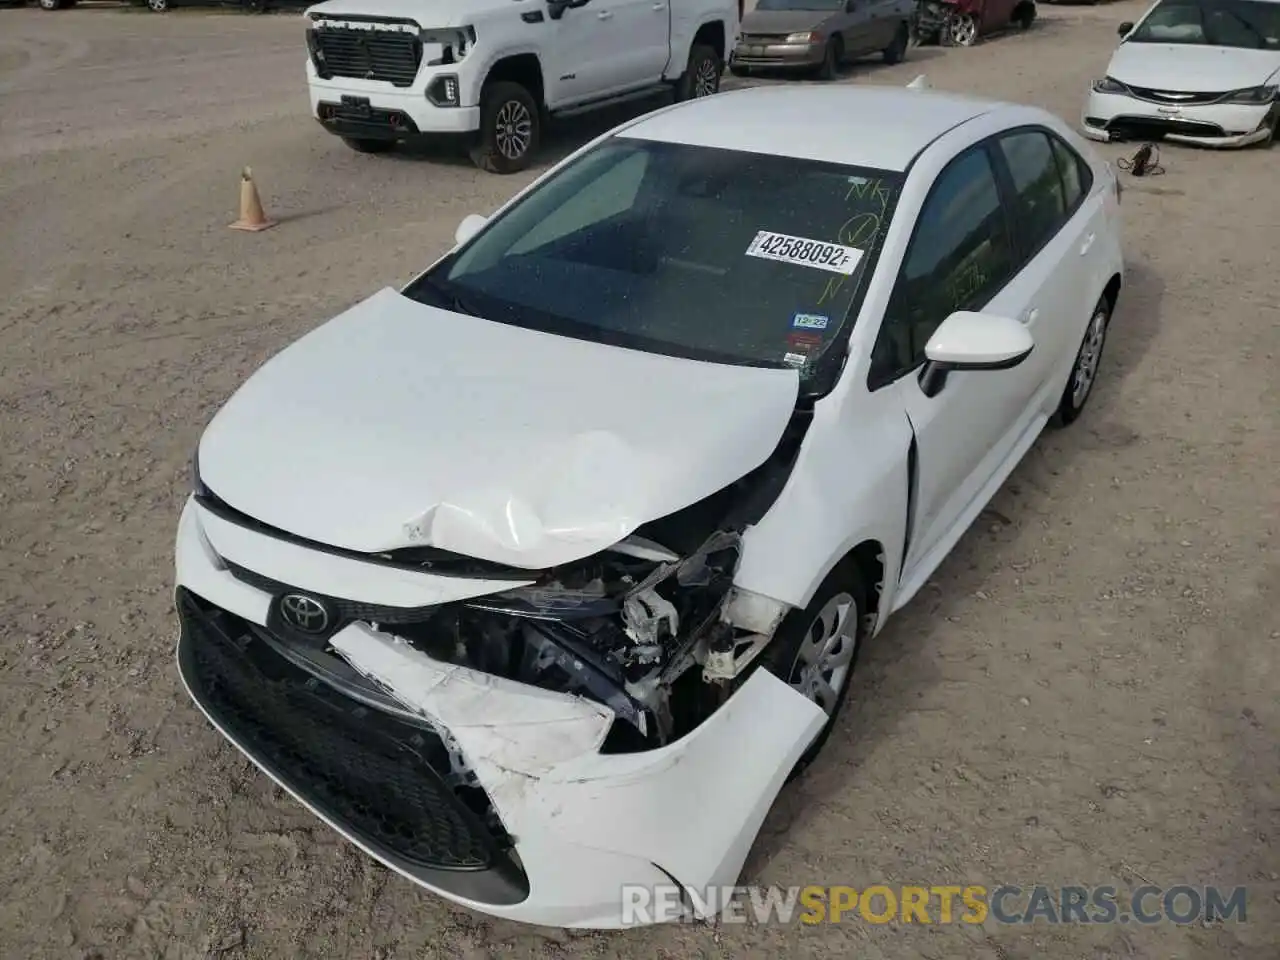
1086 693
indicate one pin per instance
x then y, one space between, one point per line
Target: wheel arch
524 68
1112 290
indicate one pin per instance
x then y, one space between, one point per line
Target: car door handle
605 15
1088 242
659 6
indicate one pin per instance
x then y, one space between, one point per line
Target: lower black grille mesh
373 773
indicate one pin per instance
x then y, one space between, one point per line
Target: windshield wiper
444 294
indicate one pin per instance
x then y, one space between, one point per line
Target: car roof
870 126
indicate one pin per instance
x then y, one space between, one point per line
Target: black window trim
1024 251
988 146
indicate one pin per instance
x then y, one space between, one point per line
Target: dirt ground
1087 693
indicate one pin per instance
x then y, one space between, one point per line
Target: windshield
1249 24
829 5
687 251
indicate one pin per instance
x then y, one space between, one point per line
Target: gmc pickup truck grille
390 56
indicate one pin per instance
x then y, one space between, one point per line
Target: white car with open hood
542 575
1204 72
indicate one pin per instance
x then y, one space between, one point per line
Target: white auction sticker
819 254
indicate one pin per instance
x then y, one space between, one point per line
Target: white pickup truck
387 71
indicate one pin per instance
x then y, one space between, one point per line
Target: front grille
392 56
379 777
1175 98
759 38
1153 128
347 610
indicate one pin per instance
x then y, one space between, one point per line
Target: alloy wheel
707 80
513 130
963 29
1086 371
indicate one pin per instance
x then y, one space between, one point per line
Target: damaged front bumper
498 795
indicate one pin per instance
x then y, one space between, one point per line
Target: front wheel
510 128
816 649
158 6
832 57
1085 370
701 76
1024 15
961 30
896 52
52 4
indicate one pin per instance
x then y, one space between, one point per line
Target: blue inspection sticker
809 321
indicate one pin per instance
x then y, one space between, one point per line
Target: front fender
849 484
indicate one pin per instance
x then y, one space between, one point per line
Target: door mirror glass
468 228
973 341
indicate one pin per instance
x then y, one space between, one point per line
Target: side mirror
1125 28
973 341
556 8
468 228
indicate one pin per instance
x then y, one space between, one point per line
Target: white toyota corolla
1194 71
542 575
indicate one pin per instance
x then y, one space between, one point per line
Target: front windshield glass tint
687 251
1219 23
827 5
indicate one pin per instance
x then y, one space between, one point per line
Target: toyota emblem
304 613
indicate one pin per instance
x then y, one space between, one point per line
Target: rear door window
1039 204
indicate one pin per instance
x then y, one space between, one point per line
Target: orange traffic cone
251 216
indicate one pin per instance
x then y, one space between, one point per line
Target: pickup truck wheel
832 57
896 51
510 127
360 145
815 649
701 77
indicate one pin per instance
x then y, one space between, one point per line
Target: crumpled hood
425 13
783 21
398 424
1189 68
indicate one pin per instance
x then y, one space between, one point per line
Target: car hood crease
399 424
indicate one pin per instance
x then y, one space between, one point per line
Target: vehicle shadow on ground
898 669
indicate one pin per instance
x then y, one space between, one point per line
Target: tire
510 128
832 57
701 77
1088 358
158 6
1024 15
785 656
896 51
361 145
52 4
961 30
